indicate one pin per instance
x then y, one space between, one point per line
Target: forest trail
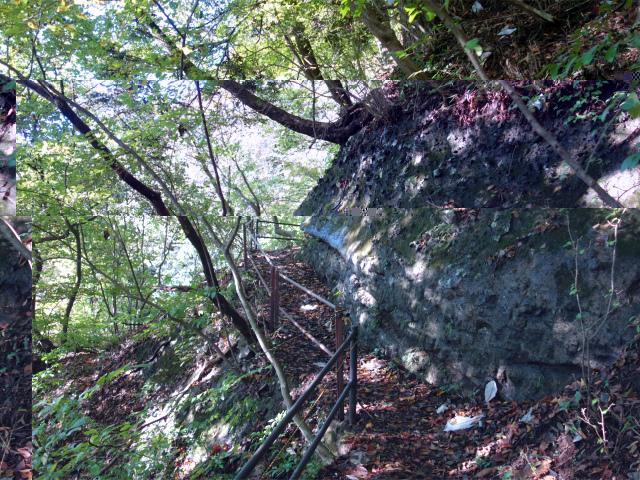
399 432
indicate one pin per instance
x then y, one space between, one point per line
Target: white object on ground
539 103
527 417
506 31
490 391
304 308
462 423
442 408
476 7
373 364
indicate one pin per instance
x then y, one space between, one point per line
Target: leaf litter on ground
400 433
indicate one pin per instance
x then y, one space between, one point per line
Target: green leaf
630 162
109 376
632 105
413 12
567 69
12 160
471 43
611 52
587 57
9 86
429 15
78 423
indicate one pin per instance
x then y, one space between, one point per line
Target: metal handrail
282 238
281 223
351 388
326 302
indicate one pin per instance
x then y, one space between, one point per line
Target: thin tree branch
211 156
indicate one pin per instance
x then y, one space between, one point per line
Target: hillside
477 151
216 421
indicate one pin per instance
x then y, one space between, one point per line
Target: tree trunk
76 287
264 343
154 198
304 51
335 132
380 27
221 302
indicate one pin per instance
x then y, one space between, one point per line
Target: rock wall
467 296
480 154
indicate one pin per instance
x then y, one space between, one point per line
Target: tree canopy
181 141
319 39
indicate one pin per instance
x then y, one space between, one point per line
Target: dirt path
400 434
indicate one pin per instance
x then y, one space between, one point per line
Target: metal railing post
353 375
339 366
245 471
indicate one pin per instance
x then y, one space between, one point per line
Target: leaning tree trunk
262 340
76 287
154 197
335 132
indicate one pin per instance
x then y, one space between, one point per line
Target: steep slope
479 151
471 296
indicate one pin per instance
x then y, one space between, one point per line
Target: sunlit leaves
471 43
413 9
632 105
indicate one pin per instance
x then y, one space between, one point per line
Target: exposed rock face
481 156
469 296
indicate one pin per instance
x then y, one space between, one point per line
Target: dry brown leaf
486 471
